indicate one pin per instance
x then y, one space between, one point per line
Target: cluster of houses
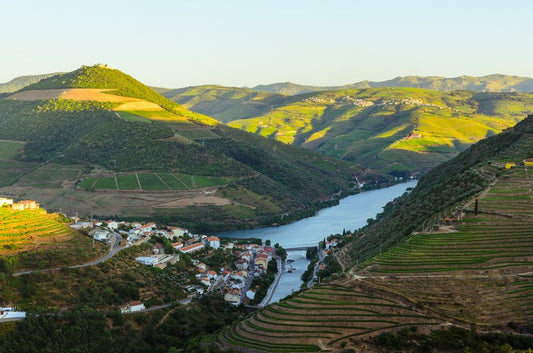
252 262
252 259
21 205
347 100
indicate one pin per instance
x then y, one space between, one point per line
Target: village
233 279
224 266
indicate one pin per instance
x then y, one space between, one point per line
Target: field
50 175
153 181
10 169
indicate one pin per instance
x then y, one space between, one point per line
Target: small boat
290 261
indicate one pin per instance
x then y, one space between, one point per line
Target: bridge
303 248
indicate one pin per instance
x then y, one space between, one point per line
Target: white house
178 232
102 235
250 294
206 281
213 242
132 307
79 225
112 225
5 201
233 296
192 248
9 314
147 260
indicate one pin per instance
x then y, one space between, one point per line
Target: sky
178 43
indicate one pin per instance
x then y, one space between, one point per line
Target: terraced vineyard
477 271
323 316
507 243
20 230
153 181
499 239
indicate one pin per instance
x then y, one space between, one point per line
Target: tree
8 264
268 242
476 207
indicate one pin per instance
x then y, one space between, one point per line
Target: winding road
114 248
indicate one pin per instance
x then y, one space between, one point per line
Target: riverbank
351 213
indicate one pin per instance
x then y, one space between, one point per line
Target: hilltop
489 83
394 130
98 141
447 267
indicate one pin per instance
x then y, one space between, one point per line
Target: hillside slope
418 282
390 129
20 82
78 148
489 83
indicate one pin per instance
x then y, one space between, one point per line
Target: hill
97 141
38 240
225 103
489 83
396 130
20 82
438 271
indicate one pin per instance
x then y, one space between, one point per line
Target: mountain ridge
403 129
488 83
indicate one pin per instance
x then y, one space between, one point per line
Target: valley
449 261
131 152
471 271
391 130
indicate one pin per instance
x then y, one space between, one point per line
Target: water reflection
290 282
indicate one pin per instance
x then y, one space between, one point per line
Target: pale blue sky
246 42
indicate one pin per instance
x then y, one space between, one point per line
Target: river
351 213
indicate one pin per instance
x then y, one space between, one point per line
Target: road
315 270
185 301
249 279
114 248
272 288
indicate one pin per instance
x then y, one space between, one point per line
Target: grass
50 175
9 149
105 183
150 181
128 182
11 171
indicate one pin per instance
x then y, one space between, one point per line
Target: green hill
489 83
388 129
38 240
20 82
225 103
86 152
416 281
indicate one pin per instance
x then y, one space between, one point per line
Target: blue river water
350 214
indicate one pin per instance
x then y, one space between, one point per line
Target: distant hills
23 81
489 83
393 130
97 141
